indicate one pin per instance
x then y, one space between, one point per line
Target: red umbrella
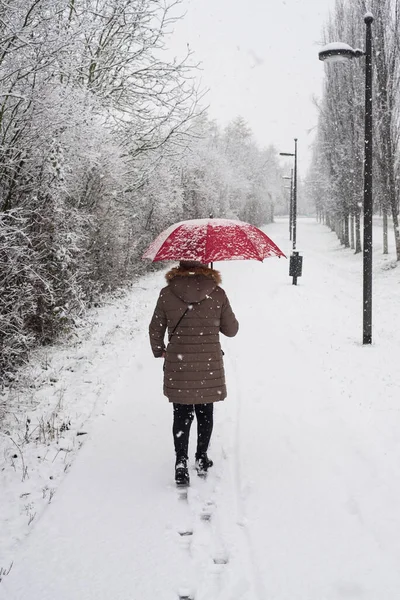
210 240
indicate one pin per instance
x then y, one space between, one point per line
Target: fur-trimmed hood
206 271
193 284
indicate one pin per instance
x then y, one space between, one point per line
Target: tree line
335 179
104 143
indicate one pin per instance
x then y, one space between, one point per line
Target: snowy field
302 503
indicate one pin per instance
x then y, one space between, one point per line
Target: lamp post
296 261
290 177
294 195
339 52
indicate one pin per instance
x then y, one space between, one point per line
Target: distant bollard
295 267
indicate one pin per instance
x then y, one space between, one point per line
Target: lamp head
338 52
368 18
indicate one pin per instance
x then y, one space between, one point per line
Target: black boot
181 472
203 463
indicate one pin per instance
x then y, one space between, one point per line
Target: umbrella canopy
210 240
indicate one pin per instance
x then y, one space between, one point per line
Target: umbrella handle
211 217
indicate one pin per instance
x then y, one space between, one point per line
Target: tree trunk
385 229
396 234
346 232
352 241
393 205
391 191
358 248
338 229
342 232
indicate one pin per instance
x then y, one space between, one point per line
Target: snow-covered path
302 503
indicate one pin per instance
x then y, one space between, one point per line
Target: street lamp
335 52
295 265
290 177
294 207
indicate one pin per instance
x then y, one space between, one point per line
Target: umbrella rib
252 243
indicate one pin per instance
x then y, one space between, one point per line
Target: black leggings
183 417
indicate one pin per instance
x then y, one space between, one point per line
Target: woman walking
194 309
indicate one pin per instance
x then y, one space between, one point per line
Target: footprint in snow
207 511
185 594
185 537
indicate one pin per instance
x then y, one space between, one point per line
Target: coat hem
196 401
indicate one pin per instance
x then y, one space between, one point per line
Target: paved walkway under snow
303 501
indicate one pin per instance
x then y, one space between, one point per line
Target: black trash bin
295 266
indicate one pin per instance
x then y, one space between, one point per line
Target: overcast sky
260 60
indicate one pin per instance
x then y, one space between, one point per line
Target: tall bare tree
387 102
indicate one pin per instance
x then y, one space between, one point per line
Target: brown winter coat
193 368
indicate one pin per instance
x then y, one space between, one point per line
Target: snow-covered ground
302 503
